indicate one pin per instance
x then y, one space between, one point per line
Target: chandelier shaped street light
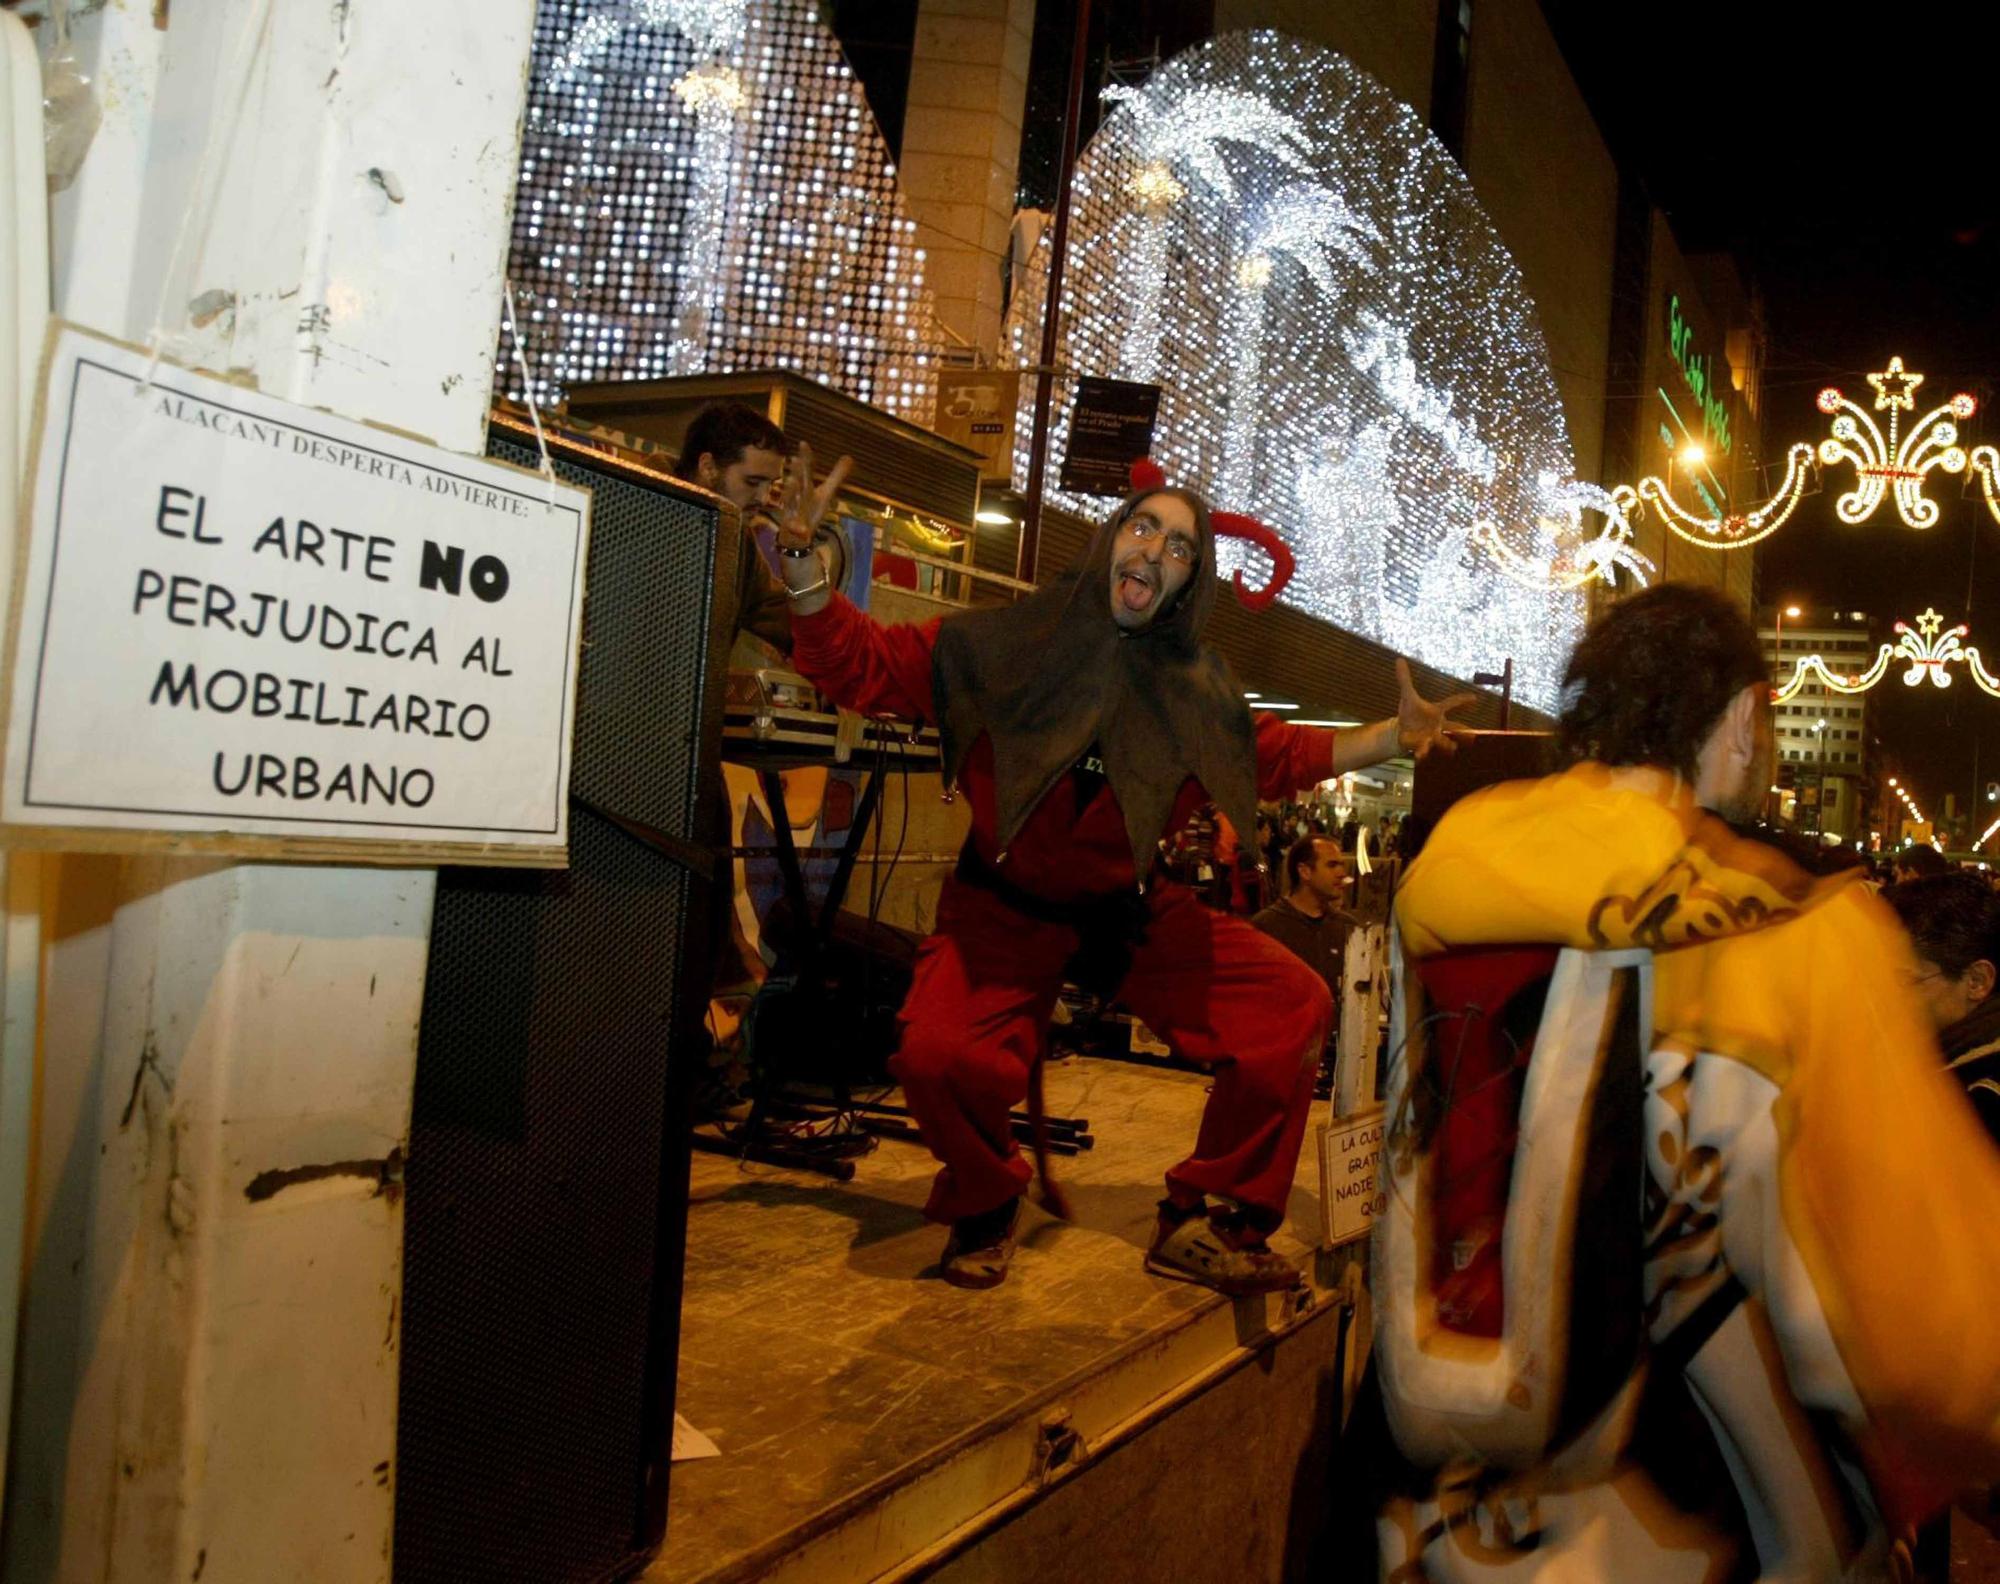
1929 647
1985 463
1898 463
1891 466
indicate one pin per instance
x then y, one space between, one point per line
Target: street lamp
1778 642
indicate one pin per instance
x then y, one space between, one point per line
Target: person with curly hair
1780 1353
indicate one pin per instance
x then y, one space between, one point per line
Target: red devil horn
1147 475
1237 526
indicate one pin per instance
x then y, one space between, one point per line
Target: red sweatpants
1217 990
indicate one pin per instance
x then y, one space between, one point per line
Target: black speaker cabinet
1483 758
548 1166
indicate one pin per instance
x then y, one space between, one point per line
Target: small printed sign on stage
1350 1196
1110 428
241 626
976 408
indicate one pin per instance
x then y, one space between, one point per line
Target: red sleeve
1290 758
863 665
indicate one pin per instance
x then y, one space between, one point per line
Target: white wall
208 1385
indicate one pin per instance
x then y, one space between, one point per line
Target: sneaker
979 1248
1218 1250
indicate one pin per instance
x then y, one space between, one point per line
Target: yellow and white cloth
1802 1139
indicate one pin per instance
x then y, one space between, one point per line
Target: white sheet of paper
690 1443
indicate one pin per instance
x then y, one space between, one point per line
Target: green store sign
1695 370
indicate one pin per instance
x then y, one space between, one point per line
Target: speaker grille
541 1275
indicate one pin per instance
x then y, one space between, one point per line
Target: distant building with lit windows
1823 737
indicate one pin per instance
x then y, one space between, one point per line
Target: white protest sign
1350 1157
243 626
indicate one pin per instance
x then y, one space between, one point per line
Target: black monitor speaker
547 1179
1483 758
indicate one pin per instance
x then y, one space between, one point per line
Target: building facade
1657 354
1825 745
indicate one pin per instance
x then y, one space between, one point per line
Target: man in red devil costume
1084 724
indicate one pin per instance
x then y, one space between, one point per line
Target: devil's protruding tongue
1136 592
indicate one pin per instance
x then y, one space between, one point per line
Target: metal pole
1978 791
1038 444
1819 810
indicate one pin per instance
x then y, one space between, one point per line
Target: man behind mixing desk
739 454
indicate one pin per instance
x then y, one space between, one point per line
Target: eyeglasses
1913 979
1179 546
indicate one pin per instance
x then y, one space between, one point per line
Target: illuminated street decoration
1392 417
1736 530
1985 463
1381 349
1302 225
1349 515
1570 561
703 188
713 92
1898 463
1929 648
1184 134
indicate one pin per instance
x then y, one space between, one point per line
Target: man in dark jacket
1308 920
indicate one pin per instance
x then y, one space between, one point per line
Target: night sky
1851 158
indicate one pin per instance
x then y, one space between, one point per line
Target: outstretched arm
866 665
1290 758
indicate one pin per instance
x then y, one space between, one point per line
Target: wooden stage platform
875 1423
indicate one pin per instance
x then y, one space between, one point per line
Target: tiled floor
820 1351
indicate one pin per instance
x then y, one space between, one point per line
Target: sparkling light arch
703 189
1397 416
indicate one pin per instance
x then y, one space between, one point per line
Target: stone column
961 146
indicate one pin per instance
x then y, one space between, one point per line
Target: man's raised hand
801 506
1422 726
